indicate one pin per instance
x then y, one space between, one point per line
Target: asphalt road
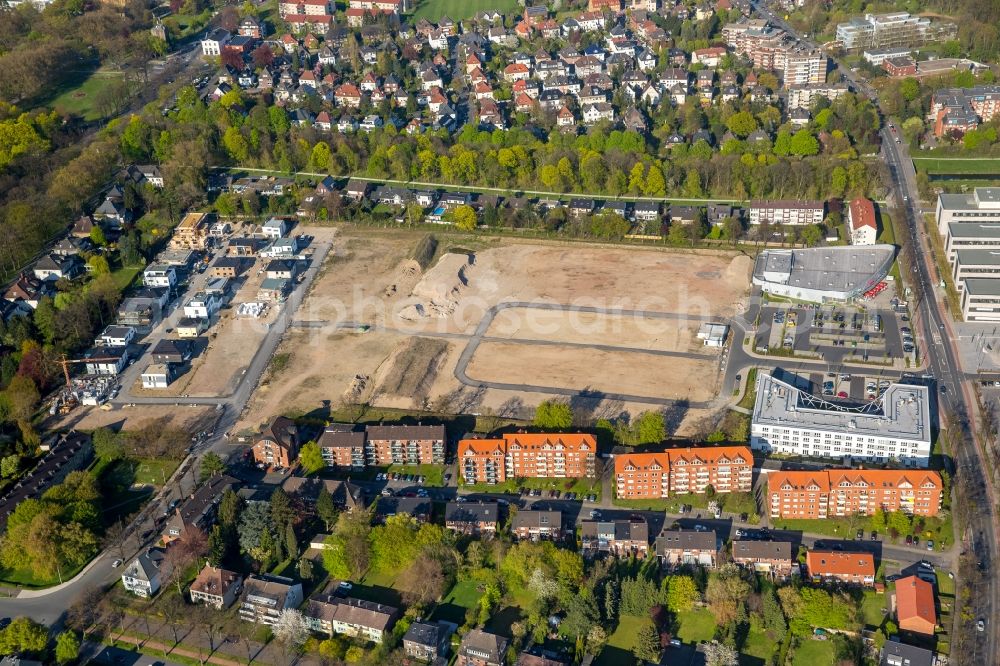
943 364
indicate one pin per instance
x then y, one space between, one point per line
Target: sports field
457 10
959 165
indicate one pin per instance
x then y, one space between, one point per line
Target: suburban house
106 360
476 518
142 576
26 289
54 267
274 228
116 336
841 567
861 222
428 641
346 495
915 606
687 547
621 538
158 376
278 444
202 306
480 648
198 511
895 653
216 587
535 525
159 275
538 656
416 507
363 619
227 267
770 557
168 350
264 597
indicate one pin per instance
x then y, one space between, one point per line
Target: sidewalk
180 651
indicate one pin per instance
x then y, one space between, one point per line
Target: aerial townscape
512 333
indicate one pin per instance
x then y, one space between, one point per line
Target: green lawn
25 578
758 646
750 396
945 585
813 653
433 473
125 276
957 166
432 10
873 608
82 99
696 626
463 596
844 528
154 472
584 486
731 502
618 651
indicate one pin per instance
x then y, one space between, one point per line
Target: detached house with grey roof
142 576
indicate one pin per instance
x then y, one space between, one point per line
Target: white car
116 564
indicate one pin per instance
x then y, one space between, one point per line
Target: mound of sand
440 290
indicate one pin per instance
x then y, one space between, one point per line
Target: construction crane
66 362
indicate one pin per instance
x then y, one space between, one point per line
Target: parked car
930 544
116 564
909 540
860 535
874 536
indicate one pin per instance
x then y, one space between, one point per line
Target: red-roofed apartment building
727 469
539 455
915 605
861 221
844 492
838 566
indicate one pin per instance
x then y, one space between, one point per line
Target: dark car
874 536
909 540
860 535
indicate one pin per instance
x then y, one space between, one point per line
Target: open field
82 100
960 166
635 374
192 418
458 337
433 10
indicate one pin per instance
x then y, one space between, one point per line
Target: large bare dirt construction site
505 327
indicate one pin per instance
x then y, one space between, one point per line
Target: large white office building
982 205
895 427
895 29
969 224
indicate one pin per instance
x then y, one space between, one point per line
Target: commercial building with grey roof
895 427
970 225
980 205
823 274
